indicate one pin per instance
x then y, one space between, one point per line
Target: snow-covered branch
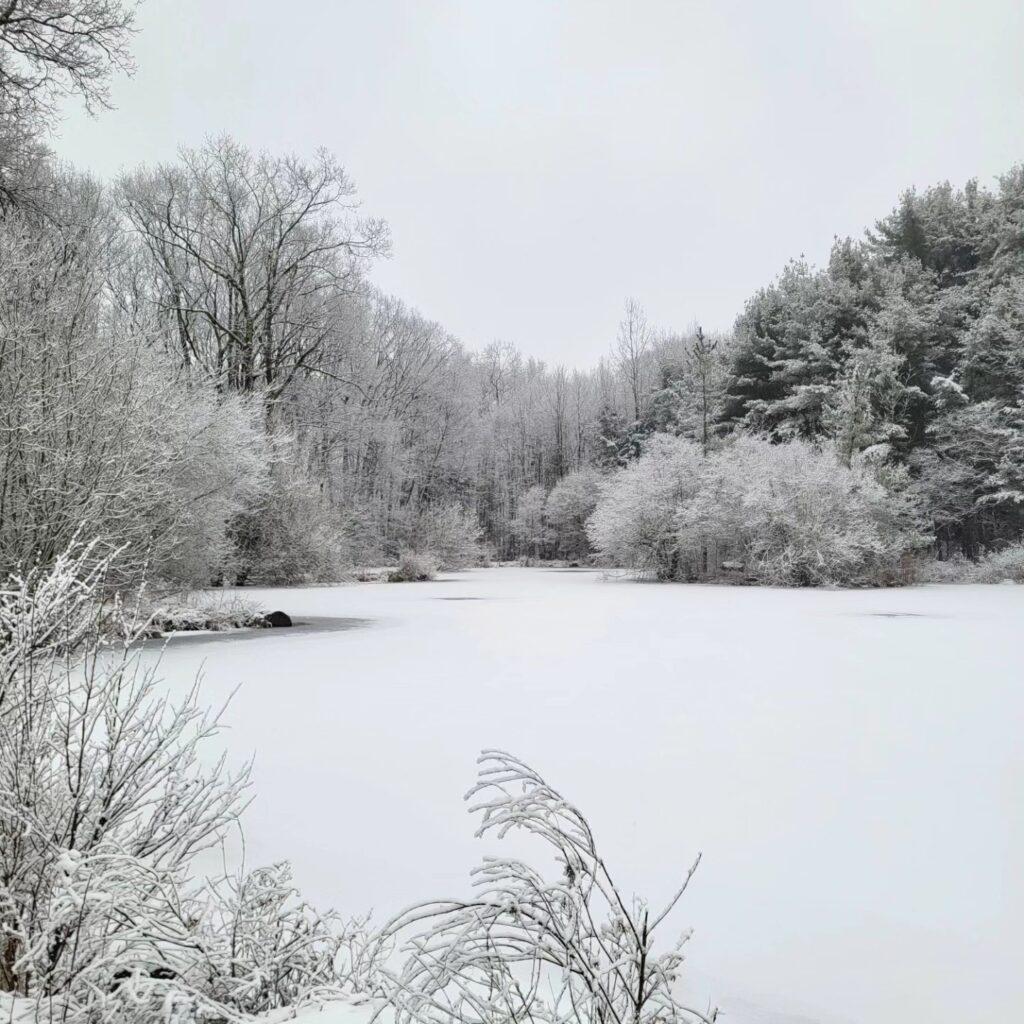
573 948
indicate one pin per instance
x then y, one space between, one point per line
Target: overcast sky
540 162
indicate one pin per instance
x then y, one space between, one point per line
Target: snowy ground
850 764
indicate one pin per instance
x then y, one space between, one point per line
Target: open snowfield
850 763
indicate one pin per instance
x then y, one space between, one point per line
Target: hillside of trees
196 367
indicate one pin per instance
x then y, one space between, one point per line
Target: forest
202 388
197 368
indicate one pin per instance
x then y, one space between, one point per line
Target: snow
22 1011
334 1012
849 762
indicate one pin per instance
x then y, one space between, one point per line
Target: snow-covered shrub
362 958
452 534
634 524
568 947
1005 565
49 610
105 801
414 567
263 946
205 613
569 505
362 530
795 515
291 535
928 569
789 514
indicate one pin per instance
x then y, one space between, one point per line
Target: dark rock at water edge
273 620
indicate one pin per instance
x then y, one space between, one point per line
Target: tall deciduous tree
631 355
251 255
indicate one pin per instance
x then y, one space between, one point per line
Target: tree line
196 366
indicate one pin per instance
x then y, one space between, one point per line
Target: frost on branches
569 948
105 803
789 514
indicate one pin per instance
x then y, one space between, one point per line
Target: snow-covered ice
850 764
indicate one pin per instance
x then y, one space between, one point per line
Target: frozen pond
850 763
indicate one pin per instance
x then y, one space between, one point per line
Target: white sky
539 162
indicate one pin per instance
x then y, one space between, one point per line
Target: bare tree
582 394
631 348
50 49
559 400
252 255
501 363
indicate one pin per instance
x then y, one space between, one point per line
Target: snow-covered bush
48 611
564 948
928 569
452 534
788 514
569 505
263 946
1003 566
362 958
106 799
104 803
291 534
414 567
634 524
205 613
795 515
